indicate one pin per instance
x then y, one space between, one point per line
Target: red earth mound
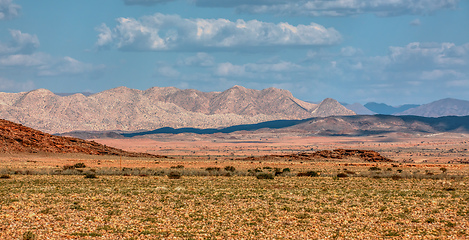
365 155
16 138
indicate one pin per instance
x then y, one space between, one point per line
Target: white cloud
439 74
418 56
26 60
13 86
46 65
161 32
66 66
20 43
201 59
259 71
8 9
145 2
20 54
334 7
415 22
169 72
104 36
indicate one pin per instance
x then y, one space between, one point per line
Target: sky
387 51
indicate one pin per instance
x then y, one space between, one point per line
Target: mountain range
355 125
128 109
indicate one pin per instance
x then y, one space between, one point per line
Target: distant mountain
357 125
330 107
130 109
443 107
380 124
382 108
15 138
359 109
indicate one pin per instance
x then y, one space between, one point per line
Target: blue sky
391 51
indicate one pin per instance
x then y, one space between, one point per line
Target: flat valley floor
423 195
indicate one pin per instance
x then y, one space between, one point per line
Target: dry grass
133 207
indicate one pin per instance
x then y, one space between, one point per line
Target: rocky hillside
130 109
330 107
443 107
16 138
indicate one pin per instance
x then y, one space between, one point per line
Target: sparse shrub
230 168
265 176
374 168
349 172
449 189
430 220
212 169
443 169
28 235
342 175
174 175
308 174
257 170
79 165
286 170
66 167
267 168
5 176
90 175
396 177
178 166
399 170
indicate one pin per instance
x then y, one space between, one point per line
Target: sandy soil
432 148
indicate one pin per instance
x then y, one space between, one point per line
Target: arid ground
423 195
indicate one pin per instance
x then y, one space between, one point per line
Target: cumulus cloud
424 56
162 32
8 9
334 7
145 2
20 43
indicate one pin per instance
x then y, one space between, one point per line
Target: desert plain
215 191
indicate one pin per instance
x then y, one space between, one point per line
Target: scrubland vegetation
314 202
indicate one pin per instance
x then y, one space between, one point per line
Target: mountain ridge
129 109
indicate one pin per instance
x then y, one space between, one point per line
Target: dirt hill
130 109
16 138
